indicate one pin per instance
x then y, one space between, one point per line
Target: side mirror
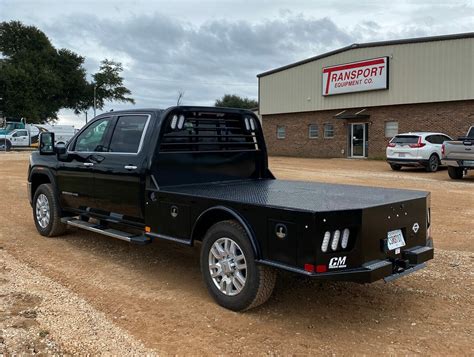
46 143
60 148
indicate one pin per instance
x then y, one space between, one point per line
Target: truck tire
46 212
433 163
456 173
229 270
396 167
5 144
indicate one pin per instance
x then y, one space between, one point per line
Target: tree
235 101
108 84
37 80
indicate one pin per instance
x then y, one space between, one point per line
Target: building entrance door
358 140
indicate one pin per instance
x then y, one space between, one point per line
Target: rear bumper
456 163
408 162
412 259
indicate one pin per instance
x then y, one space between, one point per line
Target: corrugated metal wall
418 73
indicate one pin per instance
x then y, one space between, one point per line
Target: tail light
419 144
443 150
391 145
336 240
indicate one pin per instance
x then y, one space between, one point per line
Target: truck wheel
229 270
396 167
5 145
456 173
433 164
46 212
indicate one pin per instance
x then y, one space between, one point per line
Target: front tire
229 270
433 163
46 212
456 173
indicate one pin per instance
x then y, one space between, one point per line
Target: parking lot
121 298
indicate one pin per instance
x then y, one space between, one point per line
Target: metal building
351 101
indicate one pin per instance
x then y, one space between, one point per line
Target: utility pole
95 90
95 95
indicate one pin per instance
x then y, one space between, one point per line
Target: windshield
10 126
406 139
470 134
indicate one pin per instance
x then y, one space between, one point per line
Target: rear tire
396 167
456 173
229 270
46 212
433 163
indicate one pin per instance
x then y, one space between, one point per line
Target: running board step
114 233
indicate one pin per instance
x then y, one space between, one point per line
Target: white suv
416 149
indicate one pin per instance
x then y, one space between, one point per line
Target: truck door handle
130 167
88 164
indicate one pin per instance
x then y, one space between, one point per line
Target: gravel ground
87 294
40 316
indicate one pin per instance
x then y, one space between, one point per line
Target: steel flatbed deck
296 195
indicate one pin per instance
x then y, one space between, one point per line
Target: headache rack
207 132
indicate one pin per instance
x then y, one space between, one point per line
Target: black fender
41 171
220 213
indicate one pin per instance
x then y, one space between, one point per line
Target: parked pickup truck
28 135
459 155
199 174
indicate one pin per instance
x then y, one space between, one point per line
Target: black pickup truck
199 174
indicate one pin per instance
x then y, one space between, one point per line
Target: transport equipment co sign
356 76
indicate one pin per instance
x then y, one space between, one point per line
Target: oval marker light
324 245
345 238
247 124
174 120
181 122
335 239
252 124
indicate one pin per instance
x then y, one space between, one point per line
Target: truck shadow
164 268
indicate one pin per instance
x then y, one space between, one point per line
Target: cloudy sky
209 48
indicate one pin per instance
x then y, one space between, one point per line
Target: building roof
371 44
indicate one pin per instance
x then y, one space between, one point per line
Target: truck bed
305 196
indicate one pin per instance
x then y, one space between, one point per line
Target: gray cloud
162 55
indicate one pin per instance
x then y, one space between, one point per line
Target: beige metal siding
418 73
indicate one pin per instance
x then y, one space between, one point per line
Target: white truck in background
459 155
28 136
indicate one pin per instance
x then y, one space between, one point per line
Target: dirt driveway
84 293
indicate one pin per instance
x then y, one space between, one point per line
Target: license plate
402 154
395 239
468 163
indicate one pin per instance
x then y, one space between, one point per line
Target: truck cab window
128 133
20 133
92 138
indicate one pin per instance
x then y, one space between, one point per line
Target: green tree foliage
109 87
37 80
235 101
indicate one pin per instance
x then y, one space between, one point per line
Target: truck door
119 173
75 170
20 138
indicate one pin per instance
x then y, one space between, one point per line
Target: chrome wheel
227 266
42 211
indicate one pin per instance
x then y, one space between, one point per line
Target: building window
281 132
391 129
313 131
328 130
